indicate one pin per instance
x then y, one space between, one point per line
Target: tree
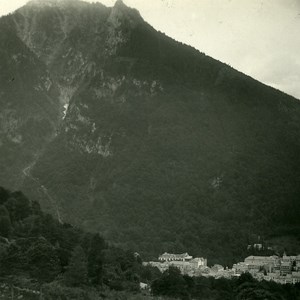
3 255
18 207
43 261
95 259
4 194
5 224
149 273
256 293
3 211
77 271
171 284
245 277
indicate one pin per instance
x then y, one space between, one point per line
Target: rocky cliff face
154 144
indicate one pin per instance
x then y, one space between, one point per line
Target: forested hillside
43 259
38 255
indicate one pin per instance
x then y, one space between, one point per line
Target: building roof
252 257
257 257
177 256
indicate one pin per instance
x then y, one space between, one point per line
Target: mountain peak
121 11
120 3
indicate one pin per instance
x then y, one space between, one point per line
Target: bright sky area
258 37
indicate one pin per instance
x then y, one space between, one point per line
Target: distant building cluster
285 269
184 262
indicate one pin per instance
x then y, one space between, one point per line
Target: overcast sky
258 37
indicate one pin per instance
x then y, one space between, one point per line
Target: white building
175 257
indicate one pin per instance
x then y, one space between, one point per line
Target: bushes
77 272
172 283
43 261
42 249
5 223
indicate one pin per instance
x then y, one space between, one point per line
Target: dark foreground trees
35 247
77 272
172 284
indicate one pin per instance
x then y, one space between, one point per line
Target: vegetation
39 253
28 109
173 284
43 259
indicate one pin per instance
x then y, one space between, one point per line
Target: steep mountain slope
162 148
29 106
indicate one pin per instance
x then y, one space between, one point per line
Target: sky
258 37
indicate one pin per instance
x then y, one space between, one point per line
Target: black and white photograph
149 149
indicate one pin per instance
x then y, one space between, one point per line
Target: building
240 268
272 276
296 277
175 257
271 268
198 262
184 262
261 260
298 263
216 268
268 263
258 246
285 267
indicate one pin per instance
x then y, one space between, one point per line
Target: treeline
39 253
173 284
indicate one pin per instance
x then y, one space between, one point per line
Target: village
283 270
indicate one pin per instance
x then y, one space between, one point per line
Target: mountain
148 141
29 106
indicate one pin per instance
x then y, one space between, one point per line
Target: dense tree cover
173 284
41 258
77 273
35 246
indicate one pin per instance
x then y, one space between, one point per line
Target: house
143 286
175 257
272 276
216 268
184 262
198 262
258 246
240 268
296 277
285 267
298 262
257 262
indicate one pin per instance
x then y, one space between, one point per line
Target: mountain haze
120 129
